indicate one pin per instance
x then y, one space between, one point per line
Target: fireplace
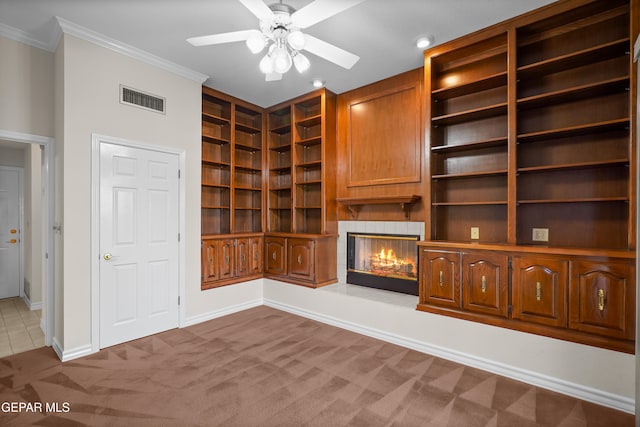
383 261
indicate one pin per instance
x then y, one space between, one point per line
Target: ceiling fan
280 33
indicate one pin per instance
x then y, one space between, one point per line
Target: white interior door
139 246
10 241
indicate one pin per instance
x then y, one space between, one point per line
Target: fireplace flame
389 256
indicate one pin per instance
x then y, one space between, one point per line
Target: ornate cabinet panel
255 262
485 283
210 270
603 298
540 290
242 257
226 251
275 255
301 258
441 278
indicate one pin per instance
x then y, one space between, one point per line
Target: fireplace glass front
383 261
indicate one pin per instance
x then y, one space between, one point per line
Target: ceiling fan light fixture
266 64
296 40
301 62
281 60
256 43
281 34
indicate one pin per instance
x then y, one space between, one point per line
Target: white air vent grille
141 99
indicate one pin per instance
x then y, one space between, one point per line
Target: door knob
12 241
107 256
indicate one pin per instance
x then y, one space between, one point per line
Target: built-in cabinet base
575 295
228 259
302 259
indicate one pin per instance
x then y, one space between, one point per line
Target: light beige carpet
264 367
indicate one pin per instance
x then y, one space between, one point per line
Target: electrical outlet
475 233
540 235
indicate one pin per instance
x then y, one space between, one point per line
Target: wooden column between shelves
353 204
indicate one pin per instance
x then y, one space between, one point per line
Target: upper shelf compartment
466 71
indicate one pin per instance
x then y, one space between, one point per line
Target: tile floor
19 327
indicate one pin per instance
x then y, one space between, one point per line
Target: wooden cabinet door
210 268
540 290
275 255
226 252
301 254
602 298
242 257
440 278
485 287
255 255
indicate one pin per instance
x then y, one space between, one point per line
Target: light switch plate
540 235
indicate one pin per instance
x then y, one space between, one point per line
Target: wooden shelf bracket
353 204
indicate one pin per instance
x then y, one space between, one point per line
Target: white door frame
96 140
48 315
20 225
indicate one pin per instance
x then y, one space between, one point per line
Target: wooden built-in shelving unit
268 171
530 130
301 214
232 189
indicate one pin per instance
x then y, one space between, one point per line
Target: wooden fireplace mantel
353 204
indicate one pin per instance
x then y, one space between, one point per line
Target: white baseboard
599 397
66 355
57 347
222 312
31 305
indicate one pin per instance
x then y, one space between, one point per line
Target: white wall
13 157
90 81
33 224
26 106
26 88
58 243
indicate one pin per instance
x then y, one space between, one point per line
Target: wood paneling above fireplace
381 153
383 145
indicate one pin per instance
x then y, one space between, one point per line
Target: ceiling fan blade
235 36
272 77
330 52
258 8
320 10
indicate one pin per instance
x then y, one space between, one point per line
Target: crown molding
91 36
12 33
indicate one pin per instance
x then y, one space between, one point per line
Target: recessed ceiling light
317 83
424 42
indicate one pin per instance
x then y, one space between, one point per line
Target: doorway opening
29 316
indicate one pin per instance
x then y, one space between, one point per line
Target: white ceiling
381 32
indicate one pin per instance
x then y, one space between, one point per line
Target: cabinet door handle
484 284
601 296
538 291
273 255
209 255
299 259
242 258
441 278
